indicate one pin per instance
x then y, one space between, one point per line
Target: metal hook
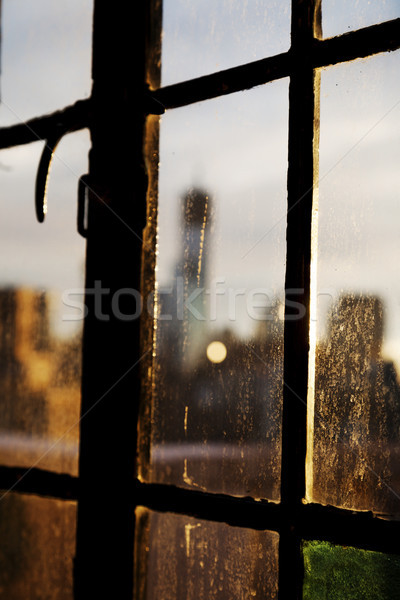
43 175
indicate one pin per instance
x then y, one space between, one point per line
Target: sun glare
216 352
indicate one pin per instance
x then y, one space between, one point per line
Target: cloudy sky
359 208
45 65
235 147
202 36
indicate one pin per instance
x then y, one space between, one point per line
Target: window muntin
380 39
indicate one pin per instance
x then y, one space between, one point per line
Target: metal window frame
106 490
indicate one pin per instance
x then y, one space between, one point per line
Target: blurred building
182 306
223 413
357 410
39 382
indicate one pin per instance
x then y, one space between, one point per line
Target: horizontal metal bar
368 41
349 46
39 482
72 118
364 42
349 528
239 512
224 82
312 521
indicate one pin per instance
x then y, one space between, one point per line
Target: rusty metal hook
43 175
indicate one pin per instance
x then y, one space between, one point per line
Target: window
331 459
244 495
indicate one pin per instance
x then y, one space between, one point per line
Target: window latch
83 205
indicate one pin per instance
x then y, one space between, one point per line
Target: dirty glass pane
338 573
203 36
41 281
356 421
182 558
45 56
37 547
217 370
341 16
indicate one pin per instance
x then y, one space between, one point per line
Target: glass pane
37 547
357 394
341 16
217 379
41 282
203 36
338 573
45 55
181 558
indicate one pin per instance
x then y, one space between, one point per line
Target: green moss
343 573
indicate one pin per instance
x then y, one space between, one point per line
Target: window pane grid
379 38
333 523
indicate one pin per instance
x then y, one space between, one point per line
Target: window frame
107 491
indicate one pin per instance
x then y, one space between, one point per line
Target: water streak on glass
342 16
41 297
203 36
37 547
336 572
356 448
220 268
45 56
182 558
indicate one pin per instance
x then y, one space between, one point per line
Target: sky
45 66
237 152
203 36
359 206
236 147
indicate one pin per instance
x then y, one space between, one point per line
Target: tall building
192 274
182 307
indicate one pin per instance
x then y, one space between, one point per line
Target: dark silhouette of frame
106 490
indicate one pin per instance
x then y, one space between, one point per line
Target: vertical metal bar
111 351
151 153
302 123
